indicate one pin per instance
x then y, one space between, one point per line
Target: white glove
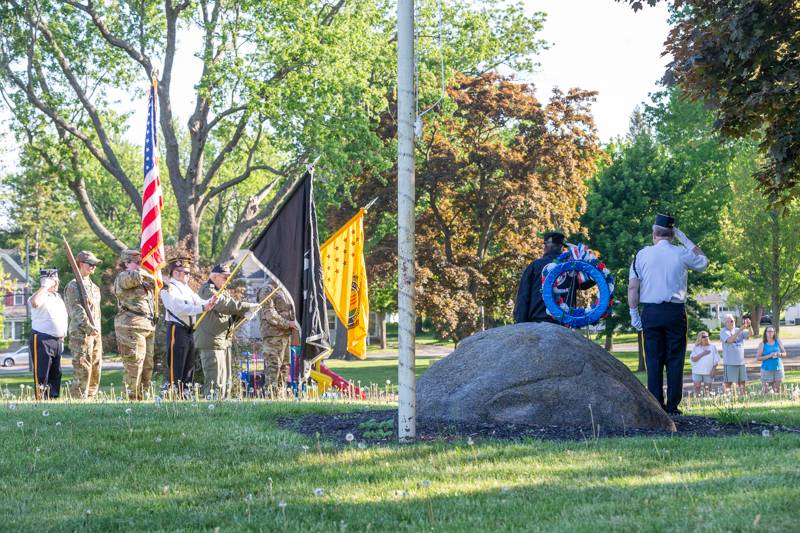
684 240
636 320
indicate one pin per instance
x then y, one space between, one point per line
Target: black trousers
180 355
46 353
664 331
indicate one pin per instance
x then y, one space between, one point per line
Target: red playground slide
340 383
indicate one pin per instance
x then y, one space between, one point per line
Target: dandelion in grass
38 450
158 438
349 437
20 424
128 411
211 407
88 512
282 504
504 489
45 413
305 448
388 381
249 498
12 406
470 442
425 483
400 494
362 445
765 433
318 492
58 424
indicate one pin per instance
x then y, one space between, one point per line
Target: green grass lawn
121 466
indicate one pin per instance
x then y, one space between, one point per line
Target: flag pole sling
235 270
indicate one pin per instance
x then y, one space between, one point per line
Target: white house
14 310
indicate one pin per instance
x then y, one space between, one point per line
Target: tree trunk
382 327
776 270
642 367
609 344
755 318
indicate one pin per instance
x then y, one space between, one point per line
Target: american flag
152 199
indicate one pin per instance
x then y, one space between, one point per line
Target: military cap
130 255
222 268
665 221
553 237
180 262
48 273
87 257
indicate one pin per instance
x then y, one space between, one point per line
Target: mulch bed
336 427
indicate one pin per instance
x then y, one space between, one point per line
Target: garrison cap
665 221
48 273
130 255
87 257
222 268
553 237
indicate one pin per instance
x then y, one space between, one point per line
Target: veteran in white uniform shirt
658 281
48 327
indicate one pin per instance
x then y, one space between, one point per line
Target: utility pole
406 278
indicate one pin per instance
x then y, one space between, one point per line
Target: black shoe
675 411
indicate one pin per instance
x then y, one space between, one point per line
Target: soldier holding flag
134 325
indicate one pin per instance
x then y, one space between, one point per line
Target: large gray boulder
536 374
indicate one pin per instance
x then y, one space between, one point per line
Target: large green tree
624 196
281 82
762 242
743 58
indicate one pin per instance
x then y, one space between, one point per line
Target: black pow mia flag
289 248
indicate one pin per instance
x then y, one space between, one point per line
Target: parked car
17 358
766 319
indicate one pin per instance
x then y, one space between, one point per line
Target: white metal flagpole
406 379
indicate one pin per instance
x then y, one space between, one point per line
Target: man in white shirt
658 280
181 307
734 369
48 328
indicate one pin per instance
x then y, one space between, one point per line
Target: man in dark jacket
530 304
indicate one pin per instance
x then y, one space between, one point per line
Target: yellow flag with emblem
345 278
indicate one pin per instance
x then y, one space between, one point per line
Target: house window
12 331
19 298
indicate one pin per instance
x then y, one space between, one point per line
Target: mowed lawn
199 466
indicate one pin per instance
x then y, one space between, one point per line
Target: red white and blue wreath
577 261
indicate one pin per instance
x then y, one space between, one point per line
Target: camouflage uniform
212 339
134 326
276 318
85 343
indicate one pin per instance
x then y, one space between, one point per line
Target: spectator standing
769 353
704 359
734 369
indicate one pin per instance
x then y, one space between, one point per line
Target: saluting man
181 306
134 325
48 329
658 280
85 341
212 336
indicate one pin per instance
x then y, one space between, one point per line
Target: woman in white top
704 359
